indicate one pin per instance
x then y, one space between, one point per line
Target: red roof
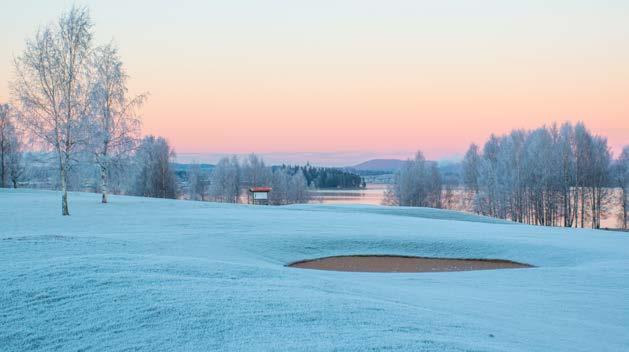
260 189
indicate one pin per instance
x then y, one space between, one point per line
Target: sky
339 82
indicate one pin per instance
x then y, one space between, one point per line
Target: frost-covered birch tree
546 176
11 167
5 131
280 183
417 184
154 176
298 189
471 168
288 188
566 150
255 172
114 126
198 181
51 87
622 179
225 181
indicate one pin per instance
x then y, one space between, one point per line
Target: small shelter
260 195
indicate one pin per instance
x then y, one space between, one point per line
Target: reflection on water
372 194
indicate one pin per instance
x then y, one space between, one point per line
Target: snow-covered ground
162 275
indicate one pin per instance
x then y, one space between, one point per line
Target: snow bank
162 275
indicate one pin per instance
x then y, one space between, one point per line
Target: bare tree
11 167
120 174
114 126
288 188
568 180
416 184
225 181
486 198
6 129
622 179
600 178
16 160
547 176
583 161
51 88
298 191
254 171
471 166
280 183
155 177
198 182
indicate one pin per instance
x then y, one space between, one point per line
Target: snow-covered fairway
162 275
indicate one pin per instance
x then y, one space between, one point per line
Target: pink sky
378 78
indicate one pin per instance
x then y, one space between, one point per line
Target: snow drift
162 275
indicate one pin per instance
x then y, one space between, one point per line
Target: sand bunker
403 264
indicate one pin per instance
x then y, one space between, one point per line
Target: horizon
331 83
329 159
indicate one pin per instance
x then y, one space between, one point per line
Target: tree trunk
103 183
593 207
2 169
598 208
582 208
64 192
625 207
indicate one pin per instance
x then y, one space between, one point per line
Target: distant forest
316 177
327 177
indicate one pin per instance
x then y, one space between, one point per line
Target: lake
372 194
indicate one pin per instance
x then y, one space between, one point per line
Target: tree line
553 175
230 179
327 177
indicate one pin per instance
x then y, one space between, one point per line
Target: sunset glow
359 76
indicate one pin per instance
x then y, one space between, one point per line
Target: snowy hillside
163 275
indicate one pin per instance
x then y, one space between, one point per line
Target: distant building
259 195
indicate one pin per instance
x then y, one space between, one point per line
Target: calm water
373 194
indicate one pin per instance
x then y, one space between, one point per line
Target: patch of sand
403 264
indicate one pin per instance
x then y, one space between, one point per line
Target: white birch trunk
103 183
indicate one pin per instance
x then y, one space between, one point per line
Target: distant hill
450 171
379 165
